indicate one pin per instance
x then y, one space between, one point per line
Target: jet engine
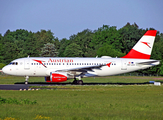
56 77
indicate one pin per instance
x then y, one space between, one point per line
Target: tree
161 68
57 43
63 44
107 35
9 52
83 39
2 65
48 50
130 34
1 48
73 50
108 50
21 43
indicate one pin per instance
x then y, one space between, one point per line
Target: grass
87 102
15 101
98 102
7 79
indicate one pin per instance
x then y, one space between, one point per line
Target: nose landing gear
26 79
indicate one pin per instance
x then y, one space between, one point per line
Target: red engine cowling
56 77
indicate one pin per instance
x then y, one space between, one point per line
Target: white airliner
59 69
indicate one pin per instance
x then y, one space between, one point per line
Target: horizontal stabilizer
149 62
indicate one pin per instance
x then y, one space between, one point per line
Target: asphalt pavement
14 87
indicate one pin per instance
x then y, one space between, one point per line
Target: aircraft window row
72 64
13 63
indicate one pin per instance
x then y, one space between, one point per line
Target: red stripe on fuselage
39 61
137 55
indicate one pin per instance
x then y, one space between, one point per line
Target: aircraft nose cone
5 70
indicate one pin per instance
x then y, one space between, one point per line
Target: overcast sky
67 17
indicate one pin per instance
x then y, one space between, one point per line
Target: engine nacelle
56 77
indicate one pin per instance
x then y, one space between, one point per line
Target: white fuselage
31 67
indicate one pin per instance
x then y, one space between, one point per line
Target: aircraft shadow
88 83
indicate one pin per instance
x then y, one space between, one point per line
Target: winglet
143 48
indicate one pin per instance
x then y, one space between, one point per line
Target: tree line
105 41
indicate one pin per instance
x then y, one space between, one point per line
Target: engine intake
56 77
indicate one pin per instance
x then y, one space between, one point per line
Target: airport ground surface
17 83
116 97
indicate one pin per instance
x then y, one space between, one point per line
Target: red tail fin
143 48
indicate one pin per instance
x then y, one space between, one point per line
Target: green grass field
99 102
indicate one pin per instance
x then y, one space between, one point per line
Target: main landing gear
78 82
26 79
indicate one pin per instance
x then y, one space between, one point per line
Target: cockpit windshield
13 63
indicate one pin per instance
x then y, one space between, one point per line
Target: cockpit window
13 63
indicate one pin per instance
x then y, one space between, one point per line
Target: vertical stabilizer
143 48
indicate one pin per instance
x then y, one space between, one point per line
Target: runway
26 87
14 87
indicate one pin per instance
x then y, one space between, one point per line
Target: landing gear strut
26 79
78 82
75 81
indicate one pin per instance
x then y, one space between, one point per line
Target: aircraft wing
80 71
87 71
84 69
